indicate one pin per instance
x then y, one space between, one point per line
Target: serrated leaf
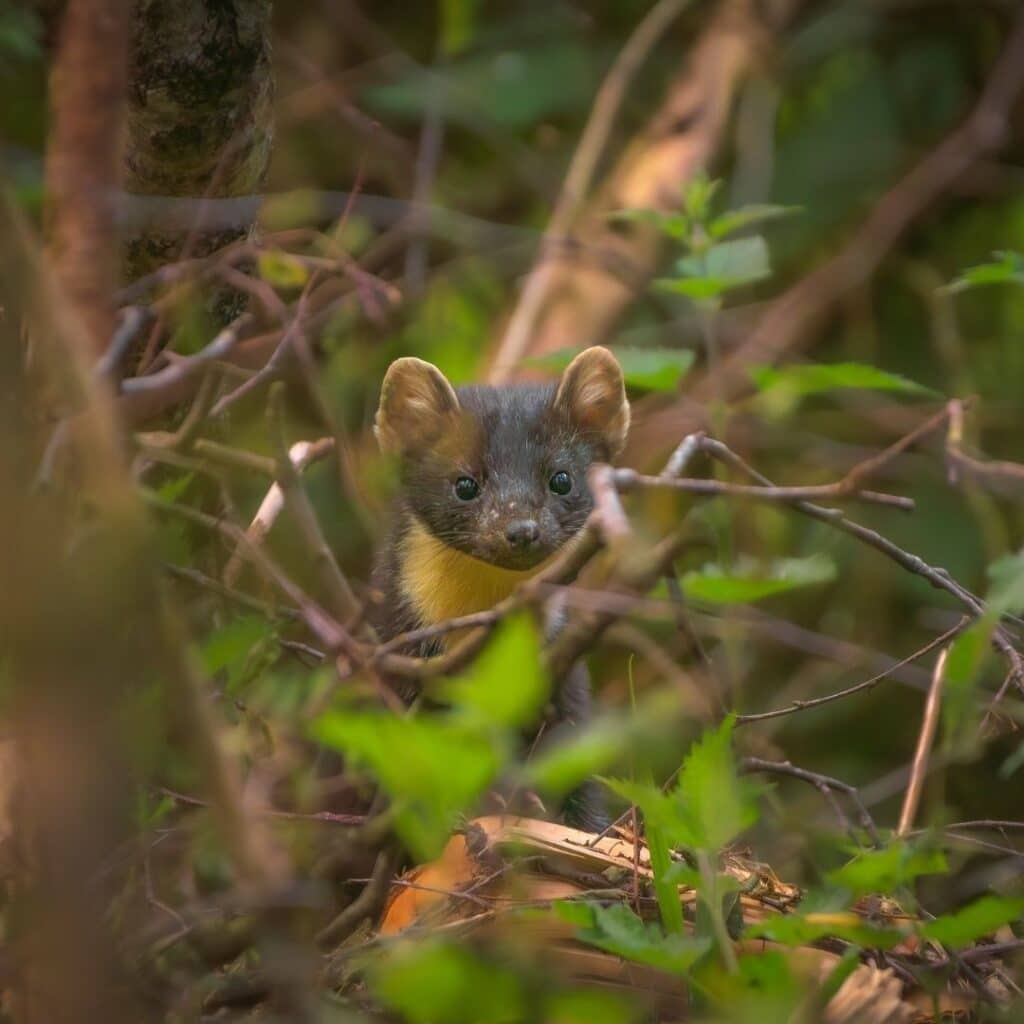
1006 268
616 929
717 801
982 917
746 216
710 805
744 582
816 378
433 768
645 369
507 684
888 869
282 269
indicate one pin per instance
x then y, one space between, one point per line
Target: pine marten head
500 473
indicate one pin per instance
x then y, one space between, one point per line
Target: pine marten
493 485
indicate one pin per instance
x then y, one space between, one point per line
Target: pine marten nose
521 533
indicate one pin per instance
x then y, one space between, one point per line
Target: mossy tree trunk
199 119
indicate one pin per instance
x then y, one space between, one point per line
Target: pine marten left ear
416 401
593 395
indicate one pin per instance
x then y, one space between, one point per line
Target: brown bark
82 161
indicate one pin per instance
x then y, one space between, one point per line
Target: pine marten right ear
592 395
416 401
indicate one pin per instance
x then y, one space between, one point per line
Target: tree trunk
199 115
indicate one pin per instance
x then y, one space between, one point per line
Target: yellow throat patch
442 583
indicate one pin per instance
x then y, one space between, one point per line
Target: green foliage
616 929
719 269
806 927
1005 268
506 686
975 921
595 746
710 805
888 869
282 270
21 33
644 369
432 767
801 379
745 583
1006 590
510 90
744 217
437 983
435 766
241 648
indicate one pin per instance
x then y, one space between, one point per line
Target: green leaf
711 803
433 768
430 983
746 216
745 583
593 747
645 369
589 750
968 655
282 269
231 646
717 801
1006 593
725 265
1006 268
174 488
888 869
804 928
982 917
507 685
616 929
697 196
589 1006
815 378
458 23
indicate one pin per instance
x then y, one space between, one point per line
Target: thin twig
629 479
823 783
183 369
301 454
862 687
929 723
343 599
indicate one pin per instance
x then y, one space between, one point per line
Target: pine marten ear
592 394
415 402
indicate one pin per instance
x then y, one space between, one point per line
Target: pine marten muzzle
493 485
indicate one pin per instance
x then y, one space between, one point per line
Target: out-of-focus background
799 224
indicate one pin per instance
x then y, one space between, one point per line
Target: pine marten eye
466 488
560 482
